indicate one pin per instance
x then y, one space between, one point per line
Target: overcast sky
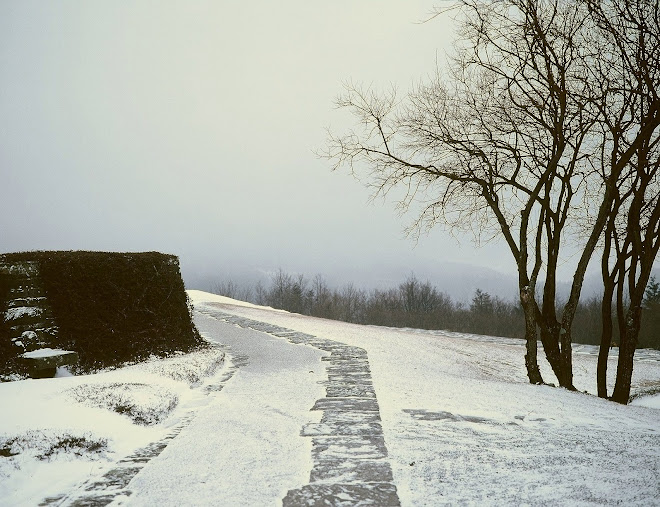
190 127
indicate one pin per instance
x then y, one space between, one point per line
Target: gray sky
190 127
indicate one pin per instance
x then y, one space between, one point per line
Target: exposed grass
648 388
190 368
44 445
135 392
144 404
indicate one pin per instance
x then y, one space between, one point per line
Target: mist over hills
458 280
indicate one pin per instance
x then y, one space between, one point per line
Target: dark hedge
8 363
113 307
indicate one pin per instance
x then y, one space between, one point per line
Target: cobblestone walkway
348 448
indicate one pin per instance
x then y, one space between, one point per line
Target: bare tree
278 295
226 288
289 292
421 303
260 294
627 75
500 146
321 296
232 290
350 303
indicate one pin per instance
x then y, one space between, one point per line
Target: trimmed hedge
112 307
8 364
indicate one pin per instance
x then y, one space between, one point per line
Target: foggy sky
191 128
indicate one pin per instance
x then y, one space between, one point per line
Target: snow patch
49 442
23 311
647 401
201 296
45 352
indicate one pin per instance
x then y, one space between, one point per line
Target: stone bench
42 363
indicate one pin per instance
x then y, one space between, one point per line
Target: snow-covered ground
460 422
55 433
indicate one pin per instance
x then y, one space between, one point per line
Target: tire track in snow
348 446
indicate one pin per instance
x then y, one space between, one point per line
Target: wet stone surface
348 447
341 428
354 405
342 417
353 378
351 471
363 494
345 391
117 478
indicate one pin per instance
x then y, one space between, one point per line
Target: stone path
350 465
348 447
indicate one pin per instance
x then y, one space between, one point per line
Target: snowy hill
457 420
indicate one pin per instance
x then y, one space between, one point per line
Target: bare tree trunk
630 321
627 346
605 339
609 284
549 325
552 352
551 348
566 357
531 359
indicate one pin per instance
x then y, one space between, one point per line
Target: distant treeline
418 304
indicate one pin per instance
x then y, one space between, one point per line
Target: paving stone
348 447
336 495
348 380
342 428
318 343
353 372
282 334
296 339
117 478
350 391
346 350
349 417
352 369
347 404
135 459
153 449
346 471
349 349
310 337
345 358
349 377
